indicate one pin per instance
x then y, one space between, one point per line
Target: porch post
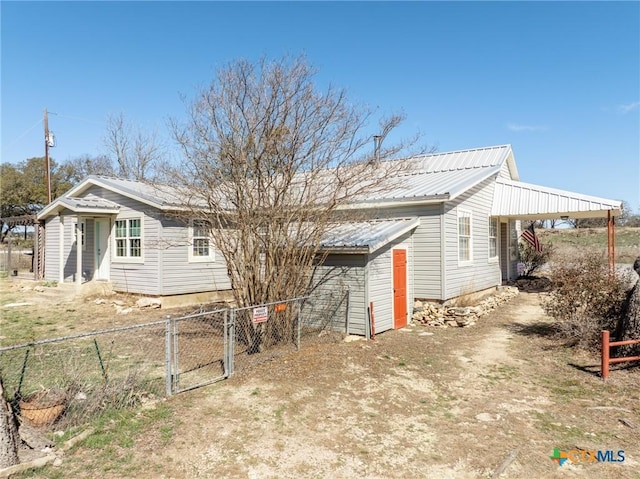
61 250
78 252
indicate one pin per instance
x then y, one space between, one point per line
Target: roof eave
97 181
417 201
344 249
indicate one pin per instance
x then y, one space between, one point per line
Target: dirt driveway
420 402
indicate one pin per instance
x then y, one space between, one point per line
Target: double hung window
128 237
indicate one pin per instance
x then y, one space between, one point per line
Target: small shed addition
374 261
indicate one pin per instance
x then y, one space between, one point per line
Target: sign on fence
280 307
260 314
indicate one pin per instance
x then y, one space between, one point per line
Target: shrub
586 298
533 259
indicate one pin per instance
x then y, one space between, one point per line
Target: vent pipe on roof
377 140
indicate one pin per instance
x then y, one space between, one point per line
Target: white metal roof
487 157
366 236
524 200
443 176
80 205
161 197
432 178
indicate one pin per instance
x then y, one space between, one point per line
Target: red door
399 288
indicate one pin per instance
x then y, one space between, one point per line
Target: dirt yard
418 402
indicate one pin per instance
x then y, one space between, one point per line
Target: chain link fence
268 331
76 376
65 381
197 347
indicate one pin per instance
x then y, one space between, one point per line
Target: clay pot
42 408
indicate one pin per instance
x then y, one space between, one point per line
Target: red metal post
373 322
604 366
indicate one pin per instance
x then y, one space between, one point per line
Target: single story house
449 228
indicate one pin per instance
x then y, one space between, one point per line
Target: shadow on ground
539 328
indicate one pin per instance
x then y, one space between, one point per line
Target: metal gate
209 346
197 350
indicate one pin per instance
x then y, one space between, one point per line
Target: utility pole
47 166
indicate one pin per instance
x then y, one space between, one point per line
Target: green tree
24 191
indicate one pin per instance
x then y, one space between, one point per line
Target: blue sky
558 81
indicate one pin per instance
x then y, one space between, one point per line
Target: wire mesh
324 317
73 378
199 344
264 332
86 373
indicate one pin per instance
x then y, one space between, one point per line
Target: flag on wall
530 237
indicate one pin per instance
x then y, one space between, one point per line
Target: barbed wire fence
63 382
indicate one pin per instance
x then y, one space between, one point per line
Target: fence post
9 265
604 366
167 356
346 326
299 321
176 363
225 347
232 340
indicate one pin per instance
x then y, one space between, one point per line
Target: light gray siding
178 274
68 247
88 260
338 273
69 255
479 273
126 275
52 249
380 281
426 261
504 251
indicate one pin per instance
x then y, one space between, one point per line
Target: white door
101 251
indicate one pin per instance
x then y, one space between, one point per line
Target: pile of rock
433 314
122 308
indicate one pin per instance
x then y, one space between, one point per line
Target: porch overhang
81 206
517 200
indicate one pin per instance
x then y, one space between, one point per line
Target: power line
25 132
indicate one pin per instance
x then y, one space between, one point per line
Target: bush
585 298
533 259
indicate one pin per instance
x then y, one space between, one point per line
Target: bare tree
136 153
85 165
269 161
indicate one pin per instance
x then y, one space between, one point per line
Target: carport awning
366 236
526 201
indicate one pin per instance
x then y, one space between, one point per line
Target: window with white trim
200 244
464 236
493 238
128 238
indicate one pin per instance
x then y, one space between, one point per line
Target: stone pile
433 314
